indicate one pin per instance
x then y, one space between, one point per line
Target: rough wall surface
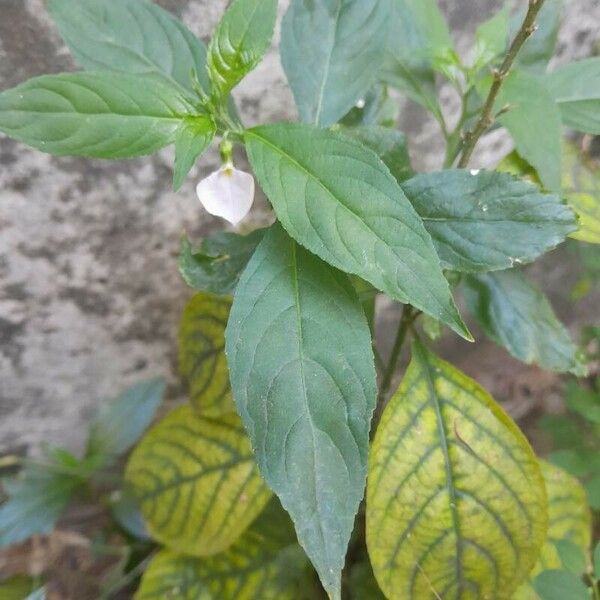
89 291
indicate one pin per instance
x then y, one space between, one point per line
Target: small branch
486 119
408 317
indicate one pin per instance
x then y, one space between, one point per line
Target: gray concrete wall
89 291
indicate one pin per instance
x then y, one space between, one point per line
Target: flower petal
227 193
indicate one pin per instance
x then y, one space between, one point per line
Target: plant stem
407 318
486 119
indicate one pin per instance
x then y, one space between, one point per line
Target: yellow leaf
265 563
202 359
456 506
569 519
196 481
581 185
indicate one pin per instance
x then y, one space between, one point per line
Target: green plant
282 378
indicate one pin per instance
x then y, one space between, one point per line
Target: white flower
227 193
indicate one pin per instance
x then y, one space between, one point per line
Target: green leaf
576 89
456 506
125 511
572 556
303 378
486 221
539 48
119 423
240 41
583 401
37 498
592 488
581 186
264 564
330 51
131 36
575 461
389 144
337 198
534 123
191 140
202 360
597 561
417 32
100 115
196 482
491 38
39 594
219 262
560 585
517 315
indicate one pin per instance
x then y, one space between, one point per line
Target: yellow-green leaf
265 563
196 482
456 506
202 359
581 186
569 519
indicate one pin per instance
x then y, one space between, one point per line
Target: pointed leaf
337 198
456 506
389 144
485 221
240 41
131 36
265 563
576 89
100 115
330 52
303 378
192 139
196 482
202 360
517 315
119 423
218 264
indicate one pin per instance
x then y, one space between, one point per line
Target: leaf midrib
295 282
444 445
321 94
